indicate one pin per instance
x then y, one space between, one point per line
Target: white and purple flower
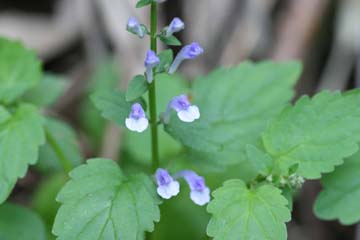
190 51
167 186
199 192
137 120
185 111
151 61
176 25
134 27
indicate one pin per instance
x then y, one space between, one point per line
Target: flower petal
190 114
137 125
169 190
200 197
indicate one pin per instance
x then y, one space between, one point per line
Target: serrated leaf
137 87
47 92
20 137
99 202
113 105
17 222
315 133
171 40
61 148
20 70
166 58
240 213
235 106
260 161
143 3
341 194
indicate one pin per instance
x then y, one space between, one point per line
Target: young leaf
166 58
341 194
315 133
113 105
17 222
137 87
20 137
47 92
235 105
61 148
143 3
20 70
171 40
260 161
99 202
240 213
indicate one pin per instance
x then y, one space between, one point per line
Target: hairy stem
152 93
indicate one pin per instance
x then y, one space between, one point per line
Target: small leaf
99 202
137 87
171 40
20 137
47 92
341 194
240 213
113 105
317 134
143 3
166 58
17 222
20 70
260 161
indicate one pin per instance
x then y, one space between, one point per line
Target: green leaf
17 222
166 58
137 87
99 202
113 105
260 161
317 134
341 194
171 40
20 137
143 3
61 148
20 70
47 92
235 106
240 213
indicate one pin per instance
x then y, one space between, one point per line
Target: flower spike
176 25
167 186
134 27
199 192
151 61
185 111
190 51
137 120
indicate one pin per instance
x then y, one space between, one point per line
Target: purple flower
185 111
151 61
190 51
176 25
134 27
199 192
167 186
137 120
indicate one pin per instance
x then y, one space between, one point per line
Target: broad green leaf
240 213
341 194
20 137
47 92
143 3
171 40
235 106
99 202
317 134
166 58
137 87
260 161
20 70
19 223
113 105
61 148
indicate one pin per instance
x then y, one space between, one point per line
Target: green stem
62 158
152 93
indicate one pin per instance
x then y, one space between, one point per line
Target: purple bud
190 51
137 120
176 25
151 61
185 111
167 186
134 27
199 192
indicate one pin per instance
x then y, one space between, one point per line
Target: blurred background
85 42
